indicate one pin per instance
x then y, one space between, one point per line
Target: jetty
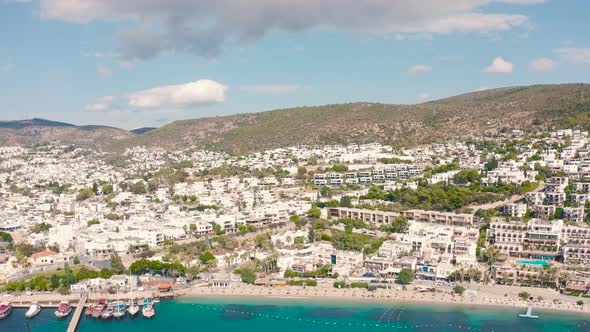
78 313
529 313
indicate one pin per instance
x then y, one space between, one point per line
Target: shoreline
409 297
323 294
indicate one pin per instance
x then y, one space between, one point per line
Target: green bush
339 284
310 283
359 285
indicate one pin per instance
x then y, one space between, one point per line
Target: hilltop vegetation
474 113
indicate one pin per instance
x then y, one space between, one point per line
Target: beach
490 296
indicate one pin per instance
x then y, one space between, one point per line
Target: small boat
5 310
148 310
108 313
133 309
34 309
529 314
119 309
89 311
63 310
98 308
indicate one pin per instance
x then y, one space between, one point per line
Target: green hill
540 106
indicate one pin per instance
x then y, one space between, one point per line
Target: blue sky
141 63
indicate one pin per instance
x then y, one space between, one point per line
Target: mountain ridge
365 122
474 113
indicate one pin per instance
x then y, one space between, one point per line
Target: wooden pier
78 313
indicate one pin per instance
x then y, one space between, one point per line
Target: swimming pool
533 262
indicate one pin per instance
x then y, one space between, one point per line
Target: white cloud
104 71
4 68
542 64
419 69
499 65
481 88
163 98
101 104
423 96
180 95
272 88
204 27
574 55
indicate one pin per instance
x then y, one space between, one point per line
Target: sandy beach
477 295
493 296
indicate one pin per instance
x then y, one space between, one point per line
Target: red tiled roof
44 253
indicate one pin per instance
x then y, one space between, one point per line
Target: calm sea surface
192 314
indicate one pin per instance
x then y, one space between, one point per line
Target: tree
346 201
192 272
40 227
459 289
466 176
117 264
580 303
107 189
206 257
6 237
314 212
524 295
406 276
84 194
248 275
76 260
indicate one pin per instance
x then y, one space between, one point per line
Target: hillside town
509 209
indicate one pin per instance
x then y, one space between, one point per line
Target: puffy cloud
180 95
499 65
104 71
101 105
169 97
542 64
419 69
272 88
423 96
204 27
574 55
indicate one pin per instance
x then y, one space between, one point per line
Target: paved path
77 314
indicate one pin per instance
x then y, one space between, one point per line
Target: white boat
34 309
529 313
148 310
133 308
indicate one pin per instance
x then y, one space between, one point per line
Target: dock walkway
78 313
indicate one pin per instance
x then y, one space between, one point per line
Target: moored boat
34 309
98 308
63 310
148 310
5 310
119 309
133 309
108 313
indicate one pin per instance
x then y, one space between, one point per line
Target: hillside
33 131
473 113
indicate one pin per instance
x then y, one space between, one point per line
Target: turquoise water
534 262
292 315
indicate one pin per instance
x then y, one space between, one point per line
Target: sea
295 315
